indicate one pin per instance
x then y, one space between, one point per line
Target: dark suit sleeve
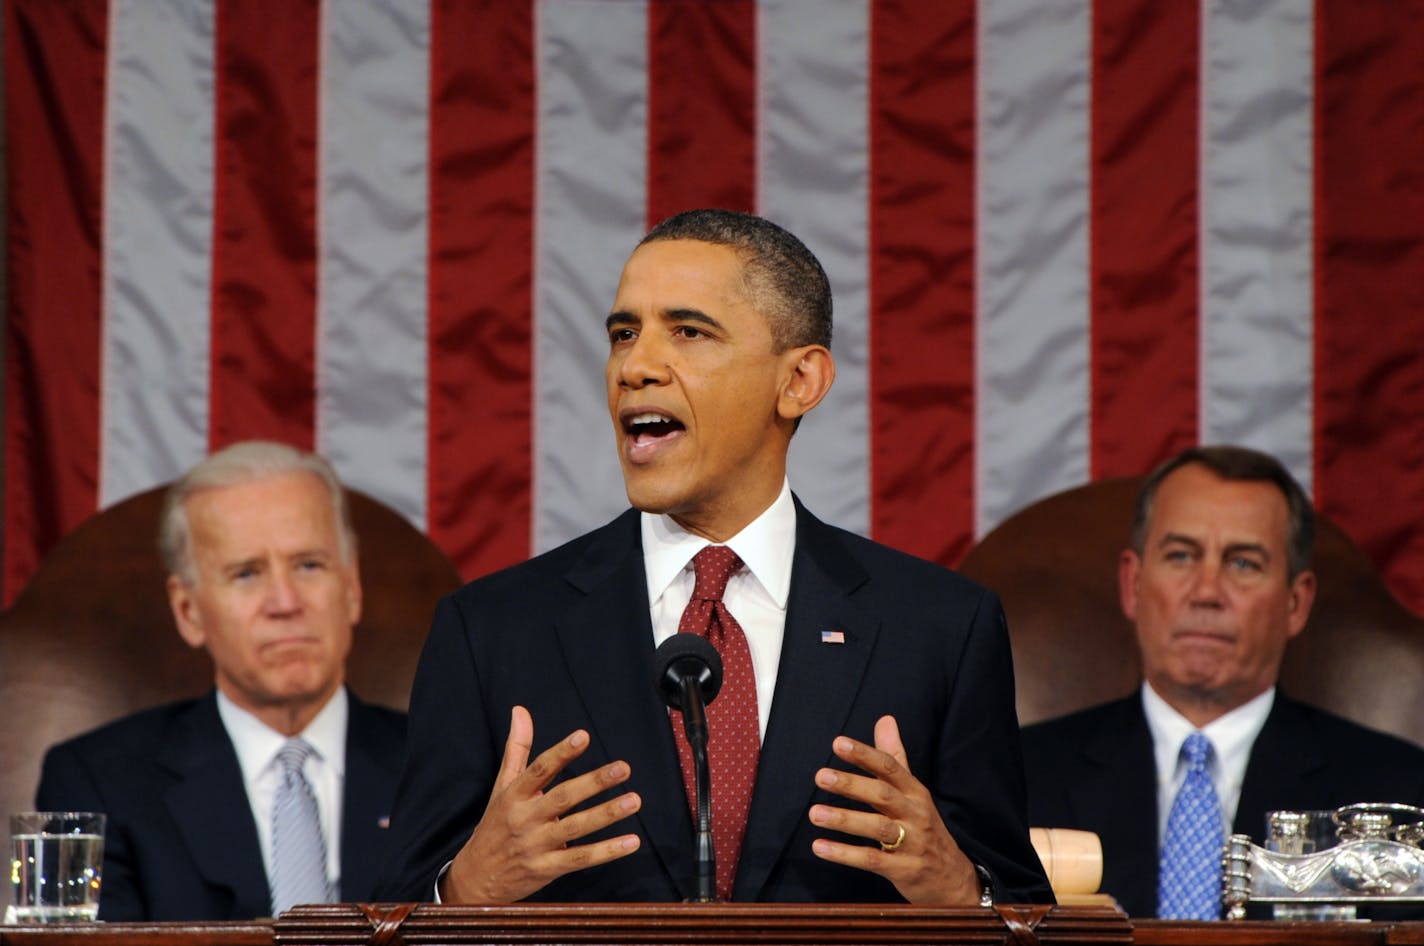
69 783
452 757
978 782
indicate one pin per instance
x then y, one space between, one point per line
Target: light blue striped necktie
1189 878
298 849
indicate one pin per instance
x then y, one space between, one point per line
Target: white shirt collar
1232 734
766 546
257 743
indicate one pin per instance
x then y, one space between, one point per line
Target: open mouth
647 431
650 425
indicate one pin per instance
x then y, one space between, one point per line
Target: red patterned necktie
734 737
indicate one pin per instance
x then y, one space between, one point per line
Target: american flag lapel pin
833 637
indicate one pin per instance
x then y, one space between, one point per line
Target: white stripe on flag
371 311
1256 228
814 173
158 206
1032 355
590 204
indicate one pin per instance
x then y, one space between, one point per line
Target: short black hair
1239 464
784 280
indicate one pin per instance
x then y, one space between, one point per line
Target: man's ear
810 372
353 590
185 612
1302 596
1129 568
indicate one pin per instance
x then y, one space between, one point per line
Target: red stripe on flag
922 127
1369 328
701 106
54 123
264 230
1146 60
480 282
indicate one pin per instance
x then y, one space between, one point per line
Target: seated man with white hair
275 788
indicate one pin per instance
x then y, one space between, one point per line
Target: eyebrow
1231 547
1170 537
315 551
240 564
622 317
691 315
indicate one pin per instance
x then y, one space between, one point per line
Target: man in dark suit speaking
866 749
1216 582
275 789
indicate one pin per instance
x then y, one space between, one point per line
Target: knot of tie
713 568
1197 751
292 756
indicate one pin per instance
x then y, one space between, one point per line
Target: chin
652 497
1199 678
302 687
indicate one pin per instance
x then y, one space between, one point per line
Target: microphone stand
694 724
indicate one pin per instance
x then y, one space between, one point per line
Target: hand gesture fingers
516 748
887 740
886 760
524 839
888 832
914 849
547 808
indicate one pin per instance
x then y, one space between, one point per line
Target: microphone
687 673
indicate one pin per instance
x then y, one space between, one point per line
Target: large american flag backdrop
1067 238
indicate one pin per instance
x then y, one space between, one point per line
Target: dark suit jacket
568 635
1095 770
181 843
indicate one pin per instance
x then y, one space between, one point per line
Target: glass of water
56 859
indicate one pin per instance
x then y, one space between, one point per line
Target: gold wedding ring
887 848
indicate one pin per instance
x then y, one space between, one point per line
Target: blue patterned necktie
1189 886
298 849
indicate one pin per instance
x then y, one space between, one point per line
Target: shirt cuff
441 876
986 886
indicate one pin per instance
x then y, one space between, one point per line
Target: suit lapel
1121 798
607 640
371 773
210 807
816 685
1284 759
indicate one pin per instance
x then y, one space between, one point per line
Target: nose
282 597
644 363
1206 589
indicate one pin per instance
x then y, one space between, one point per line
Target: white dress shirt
257 745
1232 737
756 594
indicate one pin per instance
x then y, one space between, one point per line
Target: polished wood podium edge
415 924
209 933
1275 933
429 924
